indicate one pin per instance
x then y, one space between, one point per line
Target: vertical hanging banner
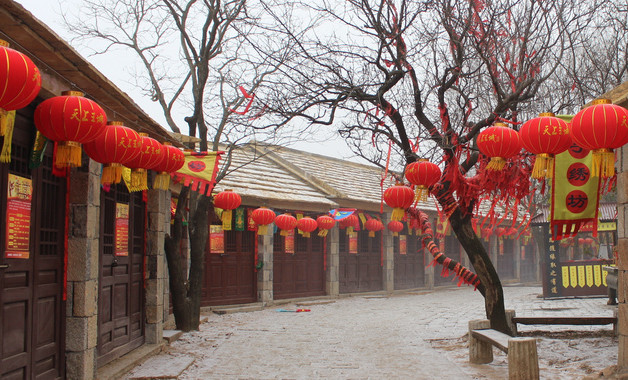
574 193
216 239
121 239
240 220
289 242
403 245
553 274
18 230
353 244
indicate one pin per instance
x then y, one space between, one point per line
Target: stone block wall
622 254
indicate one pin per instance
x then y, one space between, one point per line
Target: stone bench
523 361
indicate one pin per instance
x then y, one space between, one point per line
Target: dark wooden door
32 309
361 272
506 259
298 274
121 296
409 268
230 276
529 264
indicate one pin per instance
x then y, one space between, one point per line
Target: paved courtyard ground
414 335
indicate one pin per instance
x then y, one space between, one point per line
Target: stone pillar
622 256
517 261
82 272
265 245
332 275
157 306
389 262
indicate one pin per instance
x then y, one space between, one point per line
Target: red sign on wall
403 245
122 230
18 230
216 239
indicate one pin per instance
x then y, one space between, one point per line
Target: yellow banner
199 171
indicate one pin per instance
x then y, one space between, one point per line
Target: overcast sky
50 11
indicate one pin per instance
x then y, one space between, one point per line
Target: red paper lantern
511 232
325 223
395 226
286 223
71 120
486 233
307 225
545 136
500 231
116 145
581 241
423 174
500 143
351 223
149 158
601 128
19 84
399 197
589 241
262 217
373 225
173 159
227 200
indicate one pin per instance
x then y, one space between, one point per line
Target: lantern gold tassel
371 233
226 219
5 155
421 193
3 121
162 181
111 173
284 233
603 163
262 229
349 231
496 163
397 214
139 179
306 234
543 166
68 154
322 233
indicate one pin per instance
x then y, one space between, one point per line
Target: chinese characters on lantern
19 197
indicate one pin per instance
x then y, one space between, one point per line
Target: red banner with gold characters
122 230
199 171
574 193
403 245
18 230
216 239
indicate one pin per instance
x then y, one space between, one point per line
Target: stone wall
622 254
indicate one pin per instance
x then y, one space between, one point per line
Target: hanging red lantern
581 241
545 136
149 157
498 142
486 233
262 217
395 226
20 83
423 174
373 225
351 223
601 128
71 120
173 160
118 144
399 197
325 223
500 231
286 223
307 225
227 200
511 232
589 241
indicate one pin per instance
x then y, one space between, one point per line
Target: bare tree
201 61
432 74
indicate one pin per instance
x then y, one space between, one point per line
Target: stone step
172 335
237 308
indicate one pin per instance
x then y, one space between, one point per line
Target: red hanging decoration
351 223
395 226
325 223
71 120
20 82
118 144
173 160
373 225
150 156
286 223
399 197
601 128
262 217
423 174
500 143
227 200
545 136
307 225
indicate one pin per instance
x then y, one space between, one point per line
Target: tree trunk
186 290
493 292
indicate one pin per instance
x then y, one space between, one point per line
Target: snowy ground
417 335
